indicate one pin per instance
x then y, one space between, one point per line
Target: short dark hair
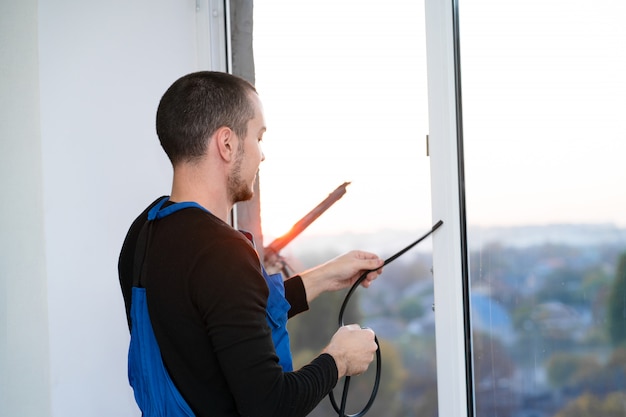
198 104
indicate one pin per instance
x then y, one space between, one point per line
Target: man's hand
353 349
341 272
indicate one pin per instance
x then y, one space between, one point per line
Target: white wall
79 158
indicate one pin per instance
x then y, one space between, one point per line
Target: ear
226 142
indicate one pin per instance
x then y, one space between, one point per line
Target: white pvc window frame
454 374
213 43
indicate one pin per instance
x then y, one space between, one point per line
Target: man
196 285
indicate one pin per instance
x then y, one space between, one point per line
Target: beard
238 190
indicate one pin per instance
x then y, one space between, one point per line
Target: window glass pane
344 90
544 99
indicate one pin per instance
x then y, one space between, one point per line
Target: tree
589 405
566 369
617 305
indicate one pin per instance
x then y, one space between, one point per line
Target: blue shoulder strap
276 314
155 393
157 212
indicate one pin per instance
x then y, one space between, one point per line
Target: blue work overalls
155 393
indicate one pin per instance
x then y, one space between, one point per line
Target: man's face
249 157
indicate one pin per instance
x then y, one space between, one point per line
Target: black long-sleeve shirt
207 299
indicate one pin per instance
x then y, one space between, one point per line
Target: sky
344 88
344 101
